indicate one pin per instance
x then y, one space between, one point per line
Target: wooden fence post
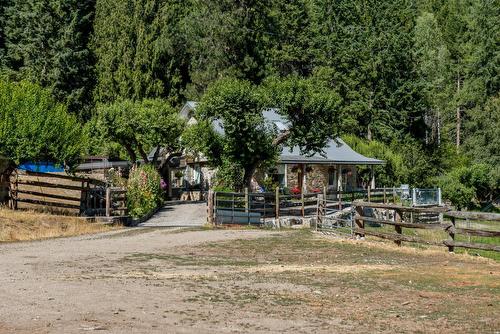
451 232
394 195
210 207
398 228
385 198
302 203
247 205
340 200
13 193
246 199
369 194
277 206
319 218
108 202
359 221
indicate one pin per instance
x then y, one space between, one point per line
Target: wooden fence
400 218
64 194
252 208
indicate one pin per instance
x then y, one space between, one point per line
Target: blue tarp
41 167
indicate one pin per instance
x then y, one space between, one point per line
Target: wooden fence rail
449 227
66 194
248 207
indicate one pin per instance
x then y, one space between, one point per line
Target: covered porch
337 169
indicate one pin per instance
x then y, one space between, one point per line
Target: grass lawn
337 285
29 225
437 235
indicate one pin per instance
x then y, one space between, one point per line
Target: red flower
295 190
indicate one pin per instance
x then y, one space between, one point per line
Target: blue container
41 167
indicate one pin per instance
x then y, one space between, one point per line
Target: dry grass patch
363 286
30 225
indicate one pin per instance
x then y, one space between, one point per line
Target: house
336 169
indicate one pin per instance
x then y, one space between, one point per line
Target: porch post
286 175
372 172
339 177
304 178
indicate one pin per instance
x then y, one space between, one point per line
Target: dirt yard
250 281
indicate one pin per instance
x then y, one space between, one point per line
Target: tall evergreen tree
3 5
227 39
140 50
433 66
470 33
366 49
290 47
46 43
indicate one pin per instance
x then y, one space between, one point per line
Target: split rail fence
396 221
374 218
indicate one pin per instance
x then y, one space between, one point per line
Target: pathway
179 214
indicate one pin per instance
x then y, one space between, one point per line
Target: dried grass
31 225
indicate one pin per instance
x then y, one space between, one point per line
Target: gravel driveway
81 284
179 214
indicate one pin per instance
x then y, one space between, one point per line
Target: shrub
269 184
144 192
466 187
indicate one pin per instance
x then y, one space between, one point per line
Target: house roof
335 152
103 164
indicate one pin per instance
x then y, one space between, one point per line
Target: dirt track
82 284
164 280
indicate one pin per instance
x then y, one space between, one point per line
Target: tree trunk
247 177
130 152
143 154
369 133
438 128
281 138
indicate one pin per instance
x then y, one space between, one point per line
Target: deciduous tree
34 127
141 126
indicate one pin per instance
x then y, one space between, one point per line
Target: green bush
466 187
35 127
144 193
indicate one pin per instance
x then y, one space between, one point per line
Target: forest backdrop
416 83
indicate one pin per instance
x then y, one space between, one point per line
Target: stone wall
292 177
316 176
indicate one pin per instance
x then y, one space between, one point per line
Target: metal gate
334 218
